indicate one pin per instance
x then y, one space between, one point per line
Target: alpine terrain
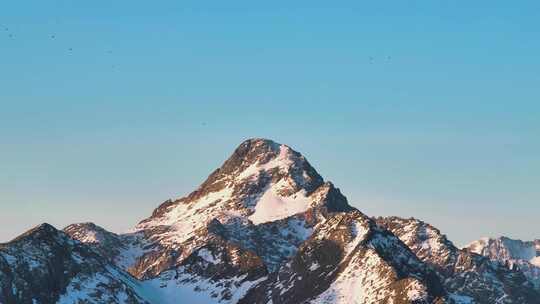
515 254
265 227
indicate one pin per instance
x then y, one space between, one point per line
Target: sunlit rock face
465 273
45 265
515 254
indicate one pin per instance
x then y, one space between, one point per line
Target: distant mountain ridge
465 274
45 265
515 254
265 227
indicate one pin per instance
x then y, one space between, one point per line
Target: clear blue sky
413 108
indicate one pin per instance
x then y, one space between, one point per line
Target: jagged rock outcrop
108 244
122 250
45 266
464 273
515 254
348 259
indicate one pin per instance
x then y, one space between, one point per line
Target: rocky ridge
44 265
514 254
266 228
466 274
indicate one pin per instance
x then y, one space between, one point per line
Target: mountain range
265 227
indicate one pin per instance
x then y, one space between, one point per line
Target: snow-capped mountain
44 265
505 249
515 254
263 187
467 276
263 228
348 259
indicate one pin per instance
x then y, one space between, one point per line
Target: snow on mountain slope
513 253
122 250
348 259
464 273
108 244
265 200
266 228
255 212
504 248
191 288
284 159
262 182
45 266
271 206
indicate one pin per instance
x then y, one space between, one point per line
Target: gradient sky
428 109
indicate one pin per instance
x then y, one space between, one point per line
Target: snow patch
272 207
184 219
283 160
189 289
314 266
459 299
206 255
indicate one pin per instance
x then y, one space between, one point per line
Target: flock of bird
11 35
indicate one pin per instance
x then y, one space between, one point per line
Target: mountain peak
44 227
262 184
504 248
254 165
259 170
259 141
42 231
89 233
260 153
44 265
516 254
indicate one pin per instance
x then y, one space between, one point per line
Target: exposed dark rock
44 264
340 247
462 271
